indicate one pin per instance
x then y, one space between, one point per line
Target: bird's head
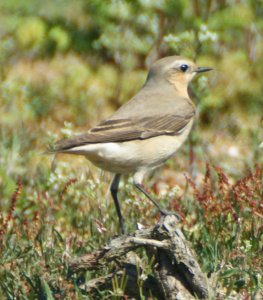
177 70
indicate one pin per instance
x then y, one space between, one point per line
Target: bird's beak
202 69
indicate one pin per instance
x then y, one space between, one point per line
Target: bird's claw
170 213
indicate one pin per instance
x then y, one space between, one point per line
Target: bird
144 132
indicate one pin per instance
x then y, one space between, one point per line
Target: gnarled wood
177 274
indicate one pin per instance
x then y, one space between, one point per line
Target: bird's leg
162 211
114 193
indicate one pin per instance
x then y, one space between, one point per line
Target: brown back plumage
159 108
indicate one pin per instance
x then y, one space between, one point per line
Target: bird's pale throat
180 84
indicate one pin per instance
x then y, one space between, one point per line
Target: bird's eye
184 68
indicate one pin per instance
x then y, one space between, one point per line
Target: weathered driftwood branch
177 274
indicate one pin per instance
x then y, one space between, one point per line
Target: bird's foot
165 213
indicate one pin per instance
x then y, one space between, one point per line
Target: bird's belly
133 155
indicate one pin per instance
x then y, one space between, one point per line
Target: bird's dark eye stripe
184 67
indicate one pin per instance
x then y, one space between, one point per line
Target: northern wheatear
142 134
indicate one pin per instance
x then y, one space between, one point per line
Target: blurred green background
77 61
65 65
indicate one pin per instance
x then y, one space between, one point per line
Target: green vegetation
65 65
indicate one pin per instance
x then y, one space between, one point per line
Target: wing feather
122 130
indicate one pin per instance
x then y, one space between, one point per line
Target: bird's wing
127 129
